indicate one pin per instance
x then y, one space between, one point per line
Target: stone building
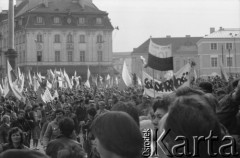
54 34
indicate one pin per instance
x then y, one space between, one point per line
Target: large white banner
181 78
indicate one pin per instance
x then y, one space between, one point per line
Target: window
69 38
81 21
100 55
57 38
39 56
213 46
99 21
229 61
99 39
82 39
56 20
39 20
229 46
214 61
57 56
39 38
82 56
70 56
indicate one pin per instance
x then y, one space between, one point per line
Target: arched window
99 39
69 38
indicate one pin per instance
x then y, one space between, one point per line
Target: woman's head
15 135
191 116
118 134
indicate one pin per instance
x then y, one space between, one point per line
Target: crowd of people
108 122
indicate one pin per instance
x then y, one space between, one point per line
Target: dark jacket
4 133
8 146
59 144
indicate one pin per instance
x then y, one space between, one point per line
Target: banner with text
181 78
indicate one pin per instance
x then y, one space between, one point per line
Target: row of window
57 38
69 56
214 61
57 20
228 46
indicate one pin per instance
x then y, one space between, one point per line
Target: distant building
184 49
119 58
69 34
221 46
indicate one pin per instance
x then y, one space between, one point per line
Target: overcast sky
139 19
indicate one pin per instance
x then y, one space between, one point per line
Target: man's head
207 87
66 126
101 105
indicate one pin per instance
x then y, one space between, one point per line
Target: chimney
18 2
81 2
45 2
168 36
212 29
188 36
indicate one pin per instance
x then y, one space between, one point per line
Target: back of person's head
207 87
20 153
66 126
92 112
191 116
128 108
71 152
118 134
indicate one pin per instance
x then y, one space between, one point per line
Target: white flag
87 84
126 76
88 74
49 85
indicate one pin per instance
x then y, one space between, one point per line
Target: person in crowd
87 134
228 110
25 125
117 135
206 87
128 108
36 117
49 117
15 140
101 108
52 130
64 145
4 129
190 116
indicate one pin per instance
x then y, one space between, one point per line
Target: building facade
67 34
119 58
219 47
184 50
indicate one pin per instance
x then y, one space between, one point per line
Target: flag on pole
143 61
88 74
160 57
12 86
67 79
223 73
139 81
5 87
30 78
126 76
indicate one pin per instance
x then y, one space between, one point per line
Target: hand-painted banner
181 78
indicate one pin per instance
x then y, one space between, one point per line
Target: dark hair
128 108
162 103
191 115
66 126
92 112
207 87
58 111
118 133
15 130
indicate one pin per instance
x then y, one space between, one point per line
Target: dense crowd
108 122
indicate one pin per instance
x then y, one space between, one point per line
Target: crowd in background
108 122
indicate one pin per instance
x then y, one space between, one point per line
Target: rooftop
225 33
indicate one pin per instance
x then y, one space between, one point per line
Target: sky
139 19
